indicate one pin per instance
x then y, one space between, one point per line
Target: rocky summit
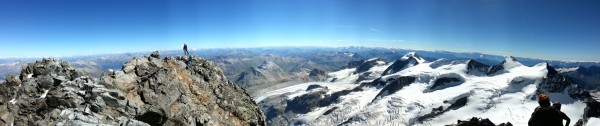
148 91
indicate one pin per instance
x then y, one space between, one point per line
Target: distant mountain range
292 60
382 86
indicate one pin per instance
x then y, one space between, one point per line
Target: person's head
544 100
557 105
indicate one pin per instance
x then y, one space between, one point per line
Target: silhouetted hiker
545 115
185 50
562 114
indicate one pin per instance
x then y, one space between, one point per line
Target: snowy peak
557 83
511 58
480 69
510 62
414 56
408 60
477 68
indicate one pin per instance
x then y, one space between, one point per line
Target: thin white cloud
375 30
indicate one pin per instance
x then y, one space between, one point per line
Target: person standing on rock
562 116
185 50
545 115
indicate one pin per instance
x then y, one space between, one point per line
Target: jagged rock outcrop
394 85
555 82
317 75
479 69
282 111
147 91
478 122
447 80
456 104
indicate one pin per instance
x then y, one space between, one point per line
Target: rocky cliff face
147 91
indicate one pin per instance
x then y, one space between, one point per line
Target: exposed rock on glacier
408 60
478 122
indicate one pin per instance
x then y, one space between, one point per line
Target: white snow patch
349 54
13 101
510 63
562 70
29 75
371 59
414 55
593 122
300 89
340 75
44 94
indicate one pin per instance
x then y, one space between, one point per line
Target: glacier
413 95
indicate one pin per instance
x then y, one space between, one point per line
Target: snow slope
503 97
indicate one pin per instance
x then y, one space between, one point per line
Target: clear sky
548 29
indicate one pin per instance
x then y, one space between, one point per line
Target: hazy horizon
542 29
259 47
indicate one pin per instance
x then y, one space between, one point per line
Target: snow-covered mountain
412 91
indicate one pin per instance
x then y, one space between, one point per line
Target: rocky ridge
147 91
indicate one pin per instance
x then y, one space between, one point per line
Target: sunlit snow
505 97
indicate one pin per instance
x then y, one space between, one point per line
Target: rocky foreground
147 91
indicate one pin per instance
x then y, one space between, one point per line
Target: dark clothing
565 117
545 116
185 50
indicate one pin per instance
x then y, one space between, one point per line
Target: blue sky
548 29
